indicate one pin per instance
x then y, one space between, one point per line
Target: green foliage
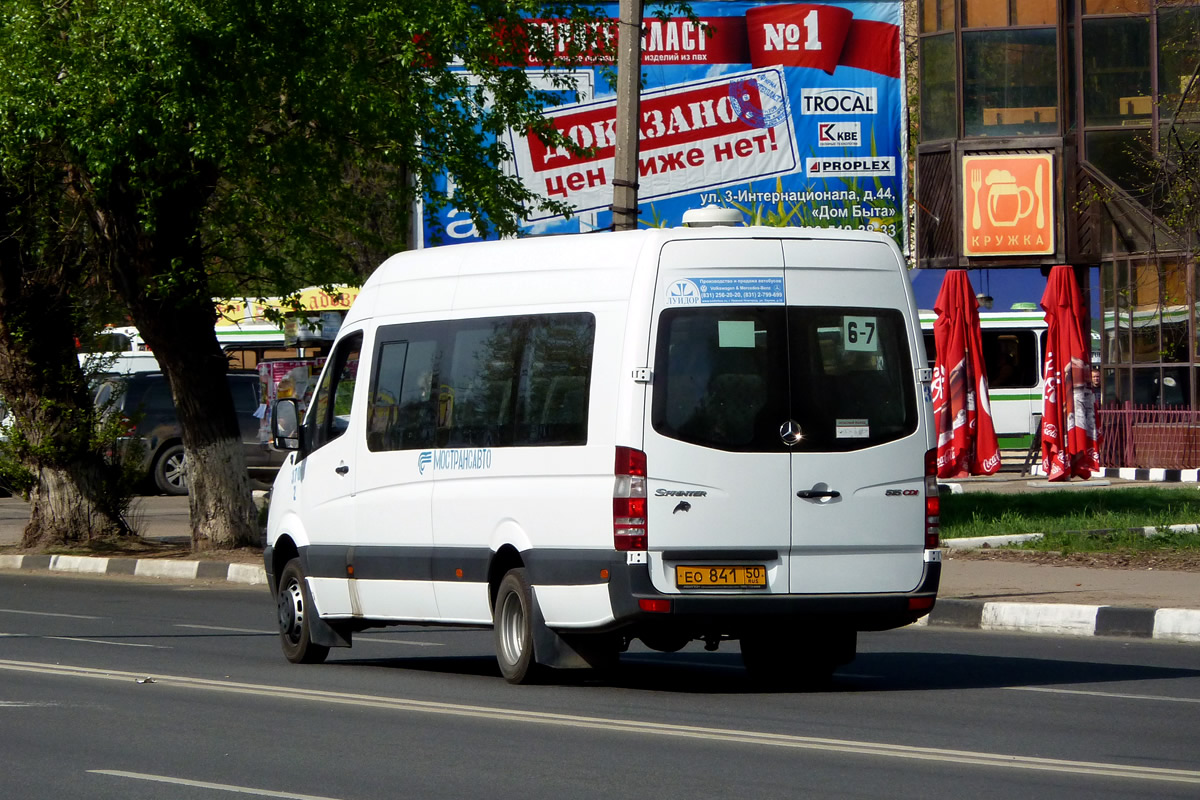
308 129
1056 512
1122 541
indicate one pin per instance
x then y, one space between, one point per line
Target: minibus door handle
816 494
342 470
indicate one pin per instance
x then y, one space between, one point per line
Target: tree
217 143
74 492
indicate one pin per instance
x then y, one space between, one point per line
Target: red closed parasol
1069 440
966 439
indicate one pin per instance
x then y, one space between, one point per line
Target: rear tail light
933 503
629 500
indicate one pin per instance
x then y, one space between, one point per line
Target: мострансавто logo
477 458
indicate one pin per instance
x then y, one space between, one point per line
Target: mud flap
550 649
322 633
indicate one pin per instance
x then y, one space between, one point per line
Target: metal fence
1149 437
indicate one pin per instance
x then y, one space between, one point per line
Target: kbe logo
839 101
839 134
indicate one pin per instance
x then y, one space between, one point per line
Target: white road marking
45 614
80 639
382 640
103 641
1094 769
1114 695
226 630
357 639
221 787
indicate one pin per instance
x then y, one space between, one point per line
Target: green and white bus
1014 346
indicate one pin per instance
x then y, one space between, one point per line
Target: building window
939 117
1175 325
1123 156
1145 298
1010 82
937 16
1116 6
1116 71
990 14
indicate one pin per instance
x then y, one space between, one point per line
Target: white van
673 435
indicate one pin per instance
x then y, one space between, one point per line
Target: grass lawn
1062 515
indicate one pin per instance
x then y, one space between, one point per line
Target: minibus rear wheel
513 622
295 610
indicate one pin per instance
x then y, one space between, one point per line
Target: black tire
787 661
295 606
170 470
513 623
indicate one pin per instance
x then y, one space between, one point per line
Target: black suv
145 399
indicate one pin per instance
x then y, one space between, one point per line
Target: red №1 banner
822 37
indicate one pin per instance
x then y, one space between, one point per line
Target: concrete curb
250 574
976 542
1064 619
1160 475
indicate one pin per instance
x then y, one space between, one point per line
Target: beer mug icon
1006 199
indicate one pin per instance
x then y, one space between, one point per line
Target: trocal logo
839 101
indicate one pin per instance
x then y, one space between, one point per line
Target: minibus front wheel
295 611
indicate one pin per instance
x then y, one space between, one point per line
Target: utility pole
629 79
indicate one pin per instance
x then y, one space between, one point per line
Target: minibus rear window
730 377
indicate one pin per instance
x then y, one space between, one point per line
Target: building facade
1065 132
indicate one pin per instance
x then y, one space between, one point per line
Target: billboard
791 113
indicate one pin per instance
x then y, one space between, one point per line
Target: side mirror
286 433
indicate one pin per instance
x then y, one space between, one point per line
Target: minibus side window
476 403
554 379
334 396
491 382
403 405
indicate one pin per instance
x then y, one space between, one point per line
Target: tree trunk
222 508
75 495
60 511
159 271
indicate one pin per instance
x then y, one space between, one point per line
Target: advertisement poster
791 113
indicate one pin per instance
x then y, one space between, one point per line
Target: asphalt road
124 689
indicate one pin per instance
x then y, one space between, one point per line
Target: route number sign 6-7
858 333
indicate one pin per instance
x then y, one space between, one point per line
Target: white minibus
669 435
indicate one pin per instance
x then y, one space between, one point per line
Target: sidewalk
995 595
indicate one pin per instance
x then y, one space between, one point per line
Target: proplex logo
879 166
839 134
839 101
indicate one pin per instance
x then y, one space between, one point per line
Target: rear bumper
699 614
